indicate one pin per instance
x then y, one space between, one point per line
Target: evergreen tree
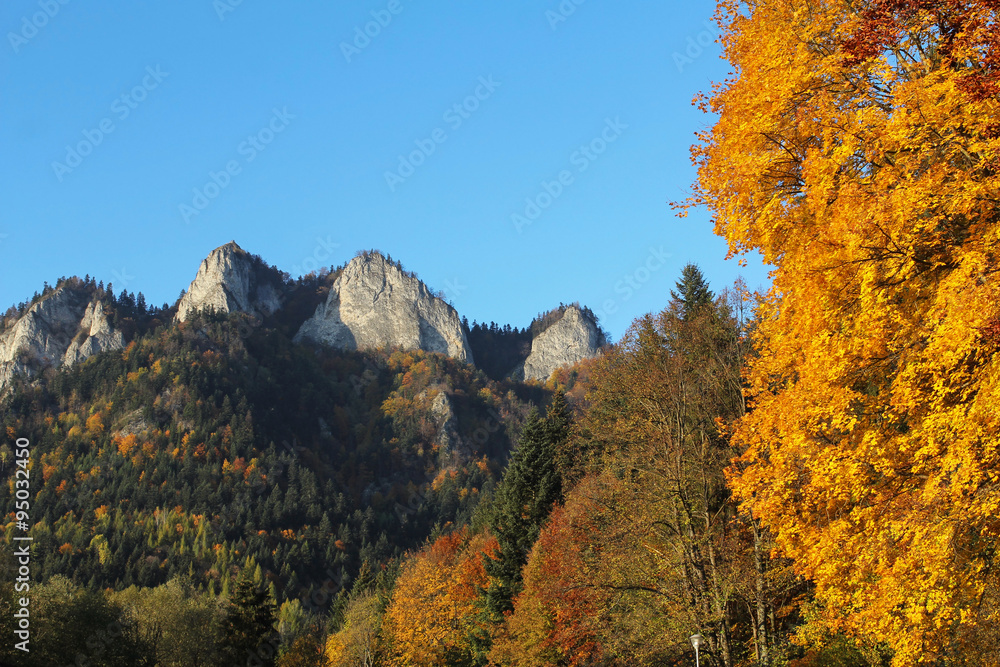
692 291
531 485
248 629
558 418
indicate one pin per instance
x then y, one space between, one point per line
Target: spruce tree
248 628
531 485
692 291
559 419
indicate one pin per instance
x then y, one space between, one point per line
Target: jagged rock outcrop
573 337
65 327
231 280
373 303
447 436
96 335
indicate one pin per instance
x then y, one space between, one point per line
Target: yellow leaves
135 375
433 606
872 450
126 445
95 424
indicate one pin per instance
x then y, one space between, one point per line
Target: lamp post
696 642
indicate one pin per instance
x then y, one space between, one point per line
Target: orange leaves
555 617
126 445
95 424
867 181
970 30
433 609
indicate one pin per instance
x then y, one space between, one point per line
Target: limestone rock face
373 303
573 337
65 327
96 335
230 281
447 437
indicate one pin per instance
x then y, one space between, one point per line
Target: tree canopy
856 148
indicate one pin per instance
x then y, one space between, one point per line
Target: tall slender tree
249 627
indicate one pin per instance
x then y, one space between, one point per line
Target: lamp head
696 640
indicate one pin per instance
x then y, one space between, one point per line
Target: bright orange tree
856 147
433 613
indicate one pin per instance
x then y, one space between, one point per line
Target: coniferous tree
530 487
692 291
248 629
559 419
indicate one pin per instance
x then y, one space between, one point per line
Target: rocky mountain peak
571 335
231 280
374 303
62 328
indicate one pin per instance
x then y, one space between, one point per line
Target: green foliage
181 626
249 625
692 291
498 349
71 625
531 486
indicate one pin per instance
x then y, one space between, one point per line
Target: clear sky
137 136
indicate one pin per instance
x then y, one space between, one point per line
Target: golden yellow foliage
95 424
433 608
868 177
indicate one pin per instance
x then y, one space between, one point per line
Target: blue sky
515 155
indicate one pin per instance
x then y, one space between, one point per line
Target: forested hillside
216 446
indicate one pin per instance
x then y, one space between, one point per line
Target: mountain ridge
368 303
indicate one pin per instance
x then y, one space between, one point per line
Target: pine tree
692 291
249 624
530 487
558 418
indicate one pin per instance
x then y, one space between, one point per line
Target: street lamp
696 642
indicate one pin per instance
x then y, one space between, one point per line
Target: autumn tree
652 448
433 615
654 405
556 617
856 148
307 650
357 641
